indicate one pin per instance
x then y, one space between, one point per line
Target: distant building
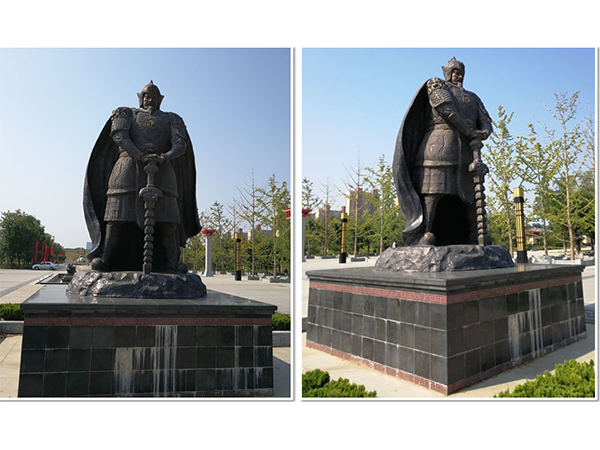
257 230
326 211
358 199
88 245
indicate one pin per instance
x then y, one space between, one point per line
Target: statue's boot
169 242
427 239
430 203
99 265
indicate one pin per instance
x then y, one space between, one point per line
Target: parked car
44 265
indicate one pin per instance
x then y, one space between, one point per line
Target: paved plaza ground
388 386
18 285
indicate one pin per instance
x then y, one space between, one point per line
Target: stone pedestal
445 331
217 346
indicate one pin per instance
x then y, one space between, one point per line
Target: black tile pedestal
219 345
446 330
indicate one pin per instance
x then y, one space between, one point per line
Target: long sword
150 194
478 170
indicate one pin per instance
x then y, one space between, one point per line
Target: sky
354 100
236 104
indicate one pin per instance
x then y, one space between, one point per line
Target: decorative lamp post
208 234
238 255
520 219
343 253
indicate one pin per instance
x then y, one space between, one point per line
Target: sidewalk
388 386
17 286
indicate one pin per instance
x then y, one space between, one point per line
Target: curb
281 338
11 326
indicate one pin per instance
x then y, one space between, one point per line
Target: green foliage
384 223
281 322
272 200
503 165
195 253
571 148
18 233
222 244
317 383
11 311
539 167
571 379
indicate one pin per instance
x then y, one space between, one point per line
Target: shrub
570 379
281 322
11 311
317 383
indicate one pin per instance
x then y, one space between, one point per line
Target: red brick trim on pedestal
442 299
142 321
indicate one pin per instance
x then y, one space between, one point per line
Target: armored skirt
123 202
436 163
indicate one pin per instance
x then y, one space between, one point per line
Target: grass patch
317 383
570 379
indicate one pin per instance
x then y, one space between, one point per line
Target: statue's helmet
453 64
150 88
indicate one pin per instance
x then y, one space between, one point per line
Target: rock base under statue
429 258
136 285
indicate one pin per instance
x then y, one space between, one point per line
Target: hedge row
570 379
11 311
317 383
281 322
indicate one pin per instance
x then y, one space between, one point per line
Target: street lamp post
520 222
343 253
238 255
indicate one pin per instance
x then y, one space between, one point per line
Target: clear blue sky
54 102
354 100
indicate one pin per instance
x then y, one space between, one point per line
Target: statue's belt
440 126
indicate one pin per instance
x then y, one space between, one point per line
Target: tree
538 167
354 186
18 233
503 164
195 253
249 210
221 245
272 200
327 233
568 144
309 201
380 180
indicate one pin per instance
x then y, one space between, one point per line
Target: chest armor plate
465 103
151 129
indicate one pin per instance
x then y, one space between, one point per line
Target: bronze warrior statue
436 158
140 189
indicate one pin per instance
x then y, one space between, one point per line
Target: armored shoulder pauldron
438 92
120 119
